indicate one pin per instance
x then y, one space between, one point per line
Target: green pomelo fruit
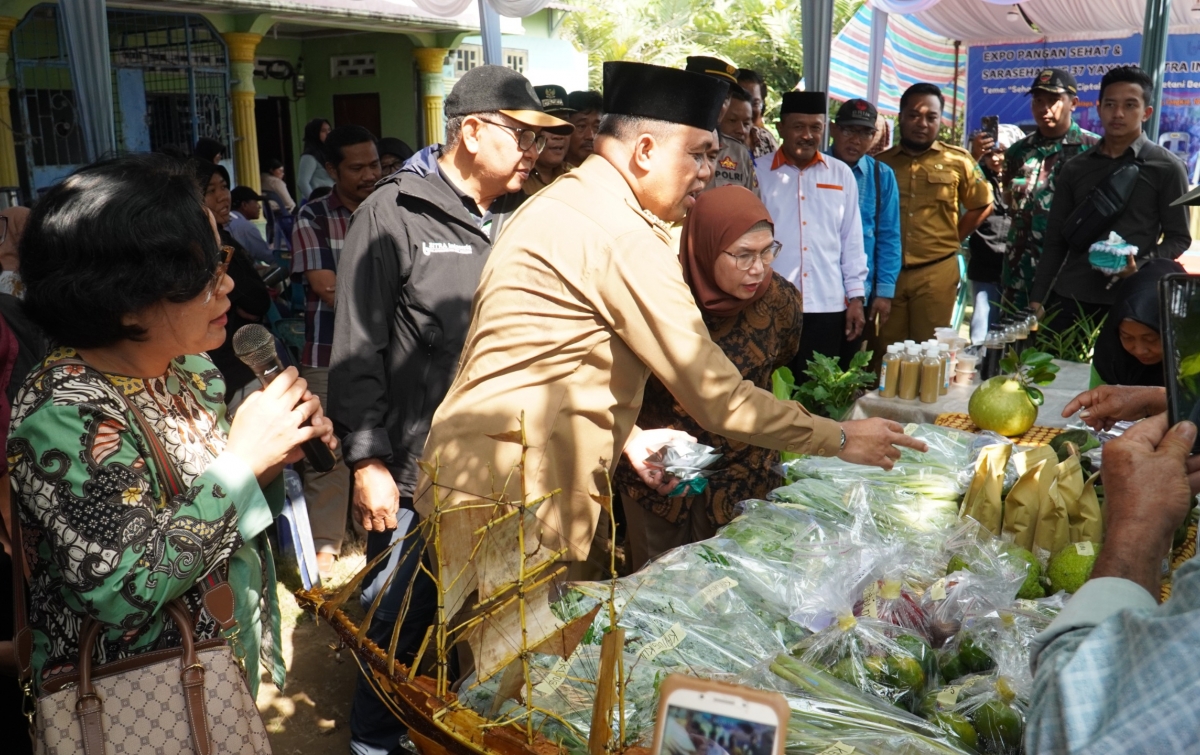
1002 406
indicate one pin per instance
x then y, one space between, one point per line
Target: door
357 110
273 121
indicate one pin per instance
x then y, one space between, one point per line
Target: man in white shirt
813 199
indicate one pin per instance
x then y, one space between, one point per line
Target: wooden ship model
507 577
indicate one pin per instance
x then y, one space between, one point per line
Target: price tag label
720 587
837 748
554 677
871 600
937 591
670 639
948 697
1085 549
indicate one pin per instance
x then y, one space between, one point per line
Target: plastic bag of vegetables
985 711
891 599
682 614
873 655
831 716
981 576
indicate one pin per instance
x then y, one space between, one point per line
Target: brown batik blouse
758 340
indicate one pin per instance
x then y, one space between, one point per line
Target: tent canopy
977 22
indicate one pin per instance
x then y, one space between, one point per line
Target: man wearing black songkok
568 325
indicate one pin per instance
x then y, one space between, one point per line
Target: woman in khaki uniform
581 300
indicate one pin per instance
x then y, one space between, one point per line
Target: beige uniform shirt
933 185
580 301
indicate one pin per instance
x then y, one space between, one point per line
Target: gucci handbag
189 699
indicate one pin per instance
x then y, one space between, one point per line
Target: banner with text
999 76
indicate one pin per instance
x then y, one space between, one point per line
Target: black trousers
823 333
1062 312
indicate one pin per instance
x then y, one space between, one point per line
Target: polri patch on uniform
444 247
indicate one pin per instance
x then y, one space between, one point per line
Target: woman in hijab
311 172
1129 350
755 316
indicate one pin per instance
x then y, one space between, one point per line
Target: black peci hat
805 103
665 94
496 88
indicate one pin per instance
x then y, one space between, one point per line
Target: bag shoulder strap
216 593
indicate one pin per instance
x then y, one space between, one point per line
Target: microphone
255 346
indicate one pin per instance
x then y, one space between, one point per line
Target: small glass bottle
993 353
889 372
910 373
943 354
931 377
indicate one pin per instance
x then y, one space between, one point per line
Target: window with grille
467 57
348 66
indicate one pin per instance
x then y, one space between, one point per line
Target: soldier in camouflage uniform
1031 166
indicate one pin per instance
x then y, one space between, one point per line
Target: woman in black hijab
1129 350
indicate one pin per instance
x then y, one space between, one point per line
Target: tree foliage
760 34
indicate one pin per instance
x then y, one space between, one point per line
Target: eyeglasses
223 258
746 261
525 137
859 132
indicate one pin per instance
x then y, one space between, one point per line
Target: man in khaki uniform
567 327
934 179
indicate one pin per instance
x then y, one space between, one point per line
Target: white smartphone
699 717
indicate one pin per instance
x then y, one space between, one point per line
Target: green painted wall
393 79
290 50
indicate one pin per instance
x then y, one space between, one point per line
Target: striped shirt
317 241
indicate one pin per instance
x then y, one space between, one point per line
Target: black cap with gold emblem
665 94
554 99
712 67
1054 81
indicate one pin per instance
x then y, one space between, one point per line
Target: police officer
551 163
734 164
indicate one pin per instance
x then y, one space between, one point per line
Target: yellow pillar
8 149
433 89
245 134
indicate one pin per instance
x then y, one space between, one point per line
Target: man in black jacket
408 271
1066 283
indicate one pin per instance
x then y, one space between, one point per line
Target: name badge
443 247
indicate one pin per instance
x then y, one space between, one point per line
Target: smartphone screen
693 731
1179 302
991 127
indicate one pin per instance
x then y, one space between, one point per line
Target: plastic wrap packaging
566 690
984 500
893 599
681 614
987 710
983 440
686 461
982 575
829 716
873 655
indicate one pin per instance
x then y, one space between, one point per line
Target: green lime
974 659
958 727
904 672
845 670
953 669
957 563
999 726
876 666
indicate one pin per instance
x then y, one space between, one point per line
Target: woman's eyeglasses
525 137
223 258
746 261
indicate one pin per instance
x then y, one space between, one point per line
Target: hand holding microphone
283 423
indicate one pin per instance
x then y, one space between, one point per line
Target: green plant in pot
1008 403
830 391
